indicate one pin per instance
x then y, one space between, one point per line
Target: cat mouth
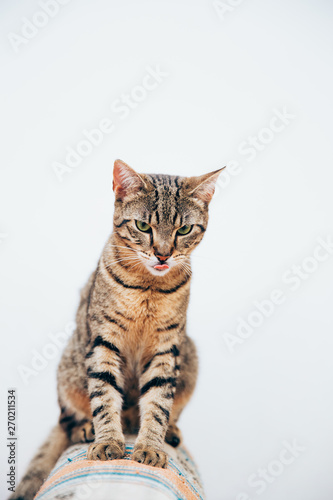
161 267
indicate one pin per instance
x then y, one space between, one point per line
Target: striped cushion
76 478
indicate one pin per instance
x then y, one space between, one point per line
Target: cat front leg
157 387
186 380
105 386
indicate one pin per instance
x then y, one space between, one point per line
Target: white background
226 75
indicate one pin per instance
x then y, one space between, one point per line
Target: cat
130 366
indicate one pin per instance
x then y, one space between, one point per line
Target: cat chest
146 319
141 342
146 313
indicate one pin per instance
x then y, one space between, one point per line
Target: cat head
162 218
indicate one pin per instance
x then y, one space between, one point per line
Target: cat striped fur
130 366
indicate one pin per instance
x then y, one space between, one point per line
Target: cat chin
157 272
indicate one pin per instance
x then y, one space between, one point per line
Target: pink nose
162 258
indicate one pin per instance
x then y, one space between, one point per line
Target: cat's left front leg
157 385
105 387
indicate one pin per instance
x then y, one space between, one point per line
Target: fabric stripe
180 466
74 473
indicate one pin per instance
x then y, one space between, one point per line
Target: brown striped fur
130 366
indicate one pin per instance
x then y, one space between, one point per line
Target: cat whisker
186 267
140 262
122 246
126 257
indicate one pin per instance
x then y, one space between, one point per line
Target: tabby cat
130 366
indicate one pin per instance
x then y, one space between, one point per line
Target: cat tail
42 464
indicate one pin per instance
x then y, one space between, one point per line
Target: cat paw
150 456
173 436
112 450
83 433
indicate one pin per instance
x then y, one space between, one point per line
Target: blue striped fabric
76 478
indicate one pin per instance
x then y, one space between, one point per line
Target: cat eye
184 230
142 226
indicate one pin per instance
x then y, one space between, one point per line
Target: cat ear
203 186
125 180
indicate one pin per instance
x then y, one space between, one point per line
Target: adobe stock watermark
253 145
263 477
40 358
292 279
122 107
222 9
48 9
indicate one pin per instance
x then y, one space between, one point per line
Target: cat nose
162 258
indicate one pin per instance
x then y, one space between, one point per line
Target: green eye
184 230
143 226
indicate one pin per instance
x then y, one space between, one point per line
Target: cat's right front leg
105 386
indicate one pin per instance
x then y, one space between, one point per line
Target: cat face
161 218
